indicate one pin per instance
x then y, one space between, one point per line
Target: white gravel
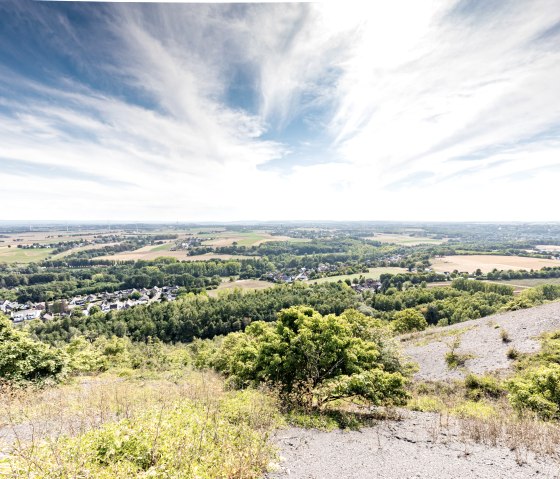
415 448
481 338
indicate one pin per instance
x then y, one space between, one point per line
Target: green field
19 255
163 247
528 283
374 273
405 240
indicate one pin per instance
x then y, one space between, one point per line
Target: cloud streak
283 111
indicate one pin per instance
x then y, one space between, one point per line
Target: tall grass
113 428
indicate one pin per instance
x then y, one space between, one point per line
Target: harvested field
374 273
481 338
252 238
248 284
405 240
486 263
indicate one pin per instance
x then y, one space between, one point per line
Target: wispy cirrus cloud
279 111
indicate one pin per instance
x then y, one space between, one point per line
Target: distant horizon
257 222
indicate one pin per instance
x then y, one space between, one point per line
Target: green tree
314 359
22 359
409 320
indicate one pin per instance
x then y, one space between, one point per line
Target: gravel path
481 338
415 448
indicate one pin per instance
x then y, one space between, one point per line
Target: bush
22 359
454 359
537 390
426 404
474 410
313 359
409 320
480 387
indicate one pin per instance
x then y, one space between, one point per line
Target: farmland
251 238
487 263
148 253
373 273
245 284
405 240
19 255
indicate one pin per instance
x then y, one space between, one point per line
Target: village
85 305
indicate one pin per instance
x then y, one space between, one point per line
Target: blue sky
402 110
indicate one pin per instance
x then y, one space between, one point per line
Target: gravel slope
415 448
482 339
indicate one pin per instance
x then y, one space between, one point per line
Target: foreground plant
314 359
221 437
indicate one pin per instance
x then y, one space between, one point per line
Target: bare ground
482 339
417 447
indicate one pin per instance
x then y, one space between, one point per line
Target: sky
443 110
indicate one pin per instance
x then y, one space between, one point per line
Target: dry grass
191 425
489 422
29 415
487 263
244 284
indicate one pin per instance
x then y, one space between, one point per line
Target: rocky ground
417 447
481 339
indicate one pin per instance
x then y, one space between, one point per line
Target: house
25 315
4 305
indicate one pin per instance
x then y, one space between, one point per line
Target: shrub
22 359
504 335
474 410
512 353
426 404
537 390
409 320
313 359
479 387
454 359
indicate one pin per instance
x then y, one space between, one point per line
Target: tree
22 359
409 320
314 359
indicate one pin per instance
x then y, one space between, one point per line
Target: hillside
419 446
482 340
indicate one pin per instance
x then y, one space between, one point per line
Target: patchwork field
248 284
47 237
19 255
152 252
374 273
405 240
487 263
252 238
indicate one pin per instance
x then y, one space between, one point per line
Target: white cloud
431 115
